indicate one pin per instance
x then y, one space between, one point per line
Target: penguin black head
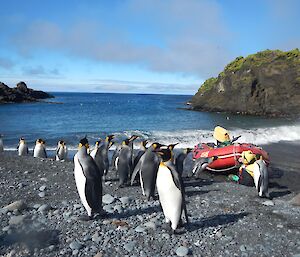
126 141
110 144
164 153
61 142
22 138
98 142
133 137
172 146
156 145
109 138
144 143
188 150
41 141
84 142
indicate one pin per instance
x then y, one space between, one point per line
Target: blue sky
136 46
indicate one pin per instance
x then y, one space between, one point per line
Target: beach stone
42 188
108 208
75 245
118 208
99 254
296 200
108 199
139 229
129 246
42 194
268 203
151 225
16 220
125 200
182 251
44 208
17 205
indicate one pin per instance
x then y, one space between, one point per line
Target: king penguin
61 151
140 152
179 160
124 161
170 190
100 154
22 147
261 178
1 144
88 180
147 168
40 149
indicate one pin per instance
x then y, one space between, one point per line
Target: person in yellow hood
222 137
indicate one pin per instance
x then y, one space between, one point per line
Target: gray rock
42 188
140 229
42 194
77 206
268 203
118 208
44 208
109 208
16 220
75 245
5 229
17 205
129 246
295 200
108 199
96 238
151 225
125 200
36 206
182 251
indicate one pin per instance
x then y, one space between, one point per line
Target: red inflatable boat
228 156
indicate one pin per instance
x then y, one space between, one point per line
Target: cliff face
20 93
266 83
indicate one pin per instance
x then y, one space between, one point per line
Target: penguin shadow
197 182
278 194
135 212
32 239
217 220
190 193
276 185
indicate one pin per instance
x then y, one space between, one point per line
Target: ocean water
162 118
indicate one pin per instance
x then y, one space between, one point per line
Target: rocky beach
40 207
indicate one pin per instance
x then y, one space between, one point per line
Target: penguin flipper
179 184
45 153
135 171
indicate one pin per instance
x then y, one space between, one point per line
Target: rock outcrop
265 83
20 93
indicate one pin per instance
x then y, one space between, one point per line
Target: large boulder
20 93
265 83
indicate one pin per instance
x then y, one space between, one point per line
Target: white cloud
190 37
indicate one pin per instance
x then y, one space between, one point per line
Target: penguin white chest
80 180
39 151
22 149
170 196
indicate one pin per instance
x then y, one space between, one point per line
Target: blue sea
162 118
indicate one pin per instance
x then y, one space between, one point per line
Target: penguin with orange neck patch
88 180
147 168
170 189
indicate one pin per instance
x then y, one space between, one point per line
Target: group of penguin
154 166
40 149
